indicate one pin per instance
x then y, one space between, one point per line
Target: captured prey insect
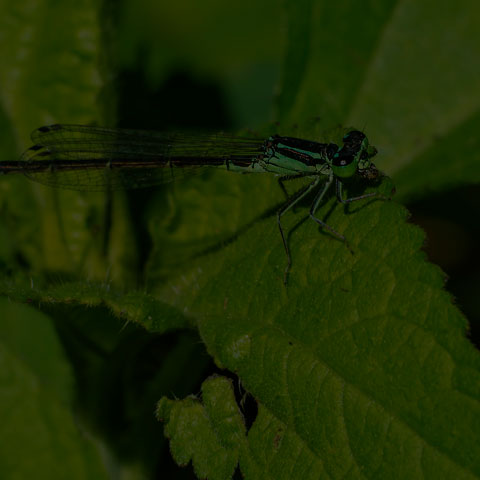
95 158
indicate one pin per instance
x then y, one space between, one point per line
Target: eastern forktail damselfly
94 158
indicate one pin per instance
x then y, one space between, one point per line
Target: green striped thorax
290 156
354 156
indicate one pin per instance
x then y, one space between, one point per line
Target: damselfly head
354 155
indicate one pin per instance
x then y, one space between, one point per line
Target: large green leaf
359 364
41 437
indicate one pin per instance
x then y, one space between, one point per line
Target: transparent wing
95 158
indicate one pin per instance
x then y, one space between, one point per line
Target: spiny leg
293 201
315 205
339 191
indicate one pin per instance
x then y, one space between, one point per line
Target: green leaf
270 444
361 361
208 433
133 306
41 436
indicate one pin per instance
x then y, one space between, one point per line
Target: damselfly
94 158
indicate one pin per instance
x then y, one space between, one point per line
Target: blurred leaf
68 233
297 54
422 67
404 72
56 45
235 46
44 440
343 36
51 75
450 161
